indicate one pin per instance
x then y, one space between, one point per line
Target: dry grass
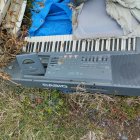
35 114
42 114
10 46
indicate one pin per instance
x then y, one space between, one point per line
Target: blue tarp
53 17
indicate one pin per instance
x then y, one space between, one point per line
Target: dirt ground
43 114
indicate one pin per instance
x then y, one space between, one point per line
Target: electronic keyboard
101 65
66 43
96 72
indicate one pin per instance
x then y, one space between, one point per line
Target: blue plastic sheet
52 17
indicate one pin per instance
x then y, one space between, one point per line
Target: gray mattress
93 21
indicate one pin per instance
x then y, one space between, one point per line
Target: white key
102 45
108 45
34 50
70 46
53 46
83 46
42 48
134 44
65 46
118 44
25 47
89 47
80 45
123 45
62 46
74 46
97 45
113 44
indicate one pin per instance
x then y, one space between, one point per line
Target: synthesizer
96 72
66 43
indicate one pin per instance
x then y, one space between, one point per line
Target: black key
90 45
68 45
64 47
120 44
100 44
111 44
126 44
27 46
90 48
40 45
45 45
86 47
59 46
32 47
51 45
94 44
115 45
56 44
77 43
104 47
37 46
132 42
80 45
71 46
48 45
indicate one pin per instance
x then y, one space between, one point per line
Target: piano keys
65 43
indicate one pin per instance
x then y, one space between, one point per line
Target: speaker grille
126 69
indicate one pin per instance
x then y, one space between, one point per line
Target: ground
37 114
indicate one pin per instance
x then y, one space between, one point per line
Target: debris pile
10 46
11 17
